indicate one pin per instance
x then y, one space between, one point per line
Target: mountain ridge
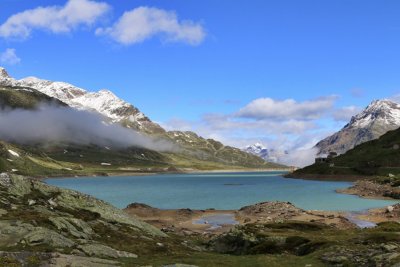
379 117
104 101
193 153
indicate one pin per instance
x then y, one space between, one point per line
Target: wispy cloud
9 57
345 113
56 19
395 98
268 108
143 23
357 92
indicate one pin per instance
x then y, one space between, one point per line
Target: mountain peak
31 79
4 73
378 111
269 155
382 103
104 101
259 145
379 117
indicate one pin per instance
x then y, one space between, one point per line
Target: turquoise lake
217 190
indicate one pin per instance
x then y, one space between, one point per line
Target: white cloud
282 125
300 157
357 92
345 113
395 98
56 19
229 123
142 23
268 108
9 57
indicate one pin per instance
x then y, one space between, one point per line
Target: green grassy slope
25 98
377 157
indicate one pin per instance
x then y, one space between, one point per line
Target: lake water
218 190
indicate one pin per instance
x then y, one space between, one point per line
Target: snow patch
12 152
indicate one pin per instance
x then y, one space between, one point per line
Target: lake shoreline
327 177
361 187
136 173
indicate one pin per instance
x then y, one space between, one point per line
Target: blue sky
226 69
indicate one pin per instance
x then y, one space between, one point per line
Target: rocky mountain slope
192 151
103 101
59 227
375 120
270 155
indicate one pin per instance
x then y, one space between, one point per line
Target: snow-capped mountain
270 155
103 101
376 119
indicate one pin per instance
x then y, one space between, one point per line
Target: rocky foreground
41 225
45 225
181 221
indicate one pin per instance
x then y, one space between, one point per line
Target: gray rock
45 236
99 250
11 233
386 257
389 247
69 225
62 260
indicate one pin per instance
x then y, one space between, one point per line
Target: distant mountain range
375 120
269 155
191 152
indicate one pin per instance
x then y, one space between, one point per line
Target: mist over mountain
51 124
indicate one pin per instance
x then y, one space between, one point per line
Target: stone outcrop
34 214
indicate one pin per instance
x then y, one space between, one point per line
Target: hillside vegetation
377 157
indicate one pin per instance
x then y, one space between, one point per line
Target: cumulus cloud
142 23
283 125
345 113
54 124
9 57
56 19
268 108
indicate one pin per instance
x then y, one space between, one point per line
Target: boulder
99 250
43 236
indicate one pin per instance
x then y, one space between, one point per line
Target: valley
190 222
